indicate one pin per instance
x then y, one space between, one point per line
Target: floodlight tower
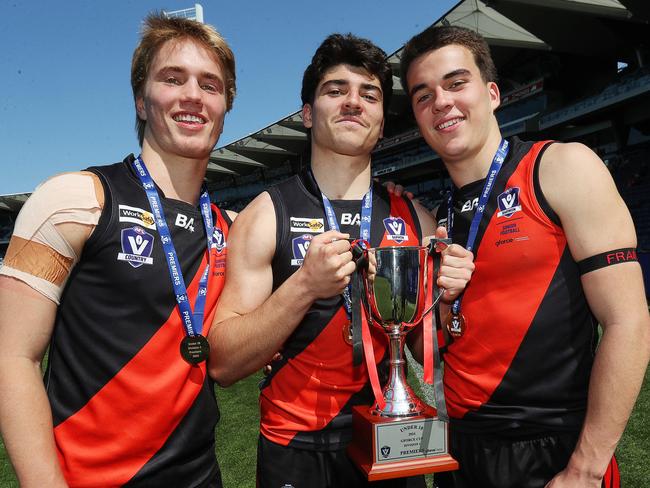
193 13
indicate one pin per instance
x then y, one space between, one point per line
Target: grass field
238 428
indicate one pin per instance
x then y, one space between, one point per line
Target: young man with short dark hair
532 402
290 262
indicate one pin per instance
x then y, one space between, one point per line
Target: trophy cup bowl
394 298
405 437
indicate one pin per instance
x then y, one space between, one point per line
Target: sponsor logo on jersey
396 228
137 246
512 228
306 224
185 223
502 242
469 205
299 246
220 266
218 240
508 202
136 215
350 218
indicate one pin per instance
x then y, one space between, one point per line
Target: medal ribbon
432 366
193 322
364 234
495 167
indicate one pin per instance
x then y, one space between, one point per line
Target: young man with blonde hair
116 269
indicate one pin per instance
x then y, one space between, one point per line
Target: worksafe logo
136 215
306 224
299 247
396 228
137 246
508 202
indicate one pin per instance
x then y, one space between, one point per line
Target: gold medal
456 324
347 332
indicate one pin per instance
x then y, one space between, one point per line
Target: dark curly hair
354 51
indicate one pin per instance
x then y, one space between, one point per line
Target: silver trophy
395 288
405 437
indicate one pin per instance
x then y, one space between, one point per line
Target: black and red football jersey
127 409
306 402
525 359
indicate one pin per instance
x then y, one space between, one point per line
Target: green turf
237 432
7 476
634 450
238 428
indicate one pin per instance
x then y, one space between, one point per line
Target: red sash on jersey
143 403
311 388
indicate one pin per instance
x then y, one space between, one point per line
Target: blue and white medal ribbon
364 234
456 323
194 347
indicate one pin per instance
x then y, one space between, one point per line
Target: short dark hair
157 29
354 51
436 37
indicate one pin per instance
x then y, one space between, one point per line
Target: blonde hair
157 29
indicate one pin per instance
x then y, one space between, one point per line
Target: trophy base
384 448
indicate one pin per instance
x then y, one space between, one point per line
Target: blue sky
65 97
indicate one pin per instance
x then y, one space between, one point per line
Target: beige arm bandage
39 254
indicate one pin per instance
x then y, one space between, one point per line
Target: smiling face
183 101
453 106
347 114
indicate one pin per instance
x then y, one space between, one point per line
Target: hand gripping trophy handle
394 296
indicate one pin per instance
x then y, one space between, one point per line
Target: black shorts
490 461
287 467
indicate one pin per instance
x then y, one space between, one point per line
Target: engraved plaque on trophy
404 437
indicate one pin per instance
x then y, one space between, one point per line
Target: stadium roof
596 32
607 29
13 202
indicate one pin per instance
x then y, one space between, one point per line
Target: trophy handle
436 246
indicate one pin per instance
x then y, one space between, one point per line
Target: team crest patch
137 246
307 224
136 215
299 246
218 240
396 228
508 202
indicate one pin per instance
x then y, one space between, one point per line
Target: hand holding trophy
400 435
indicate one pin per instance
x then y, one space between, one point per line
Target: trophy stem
398 395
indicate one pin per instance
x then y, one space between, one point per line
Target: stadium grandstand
570 70
10 205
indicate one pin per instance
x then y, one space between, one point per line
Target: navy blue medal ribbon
455 323
194 347
352 329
